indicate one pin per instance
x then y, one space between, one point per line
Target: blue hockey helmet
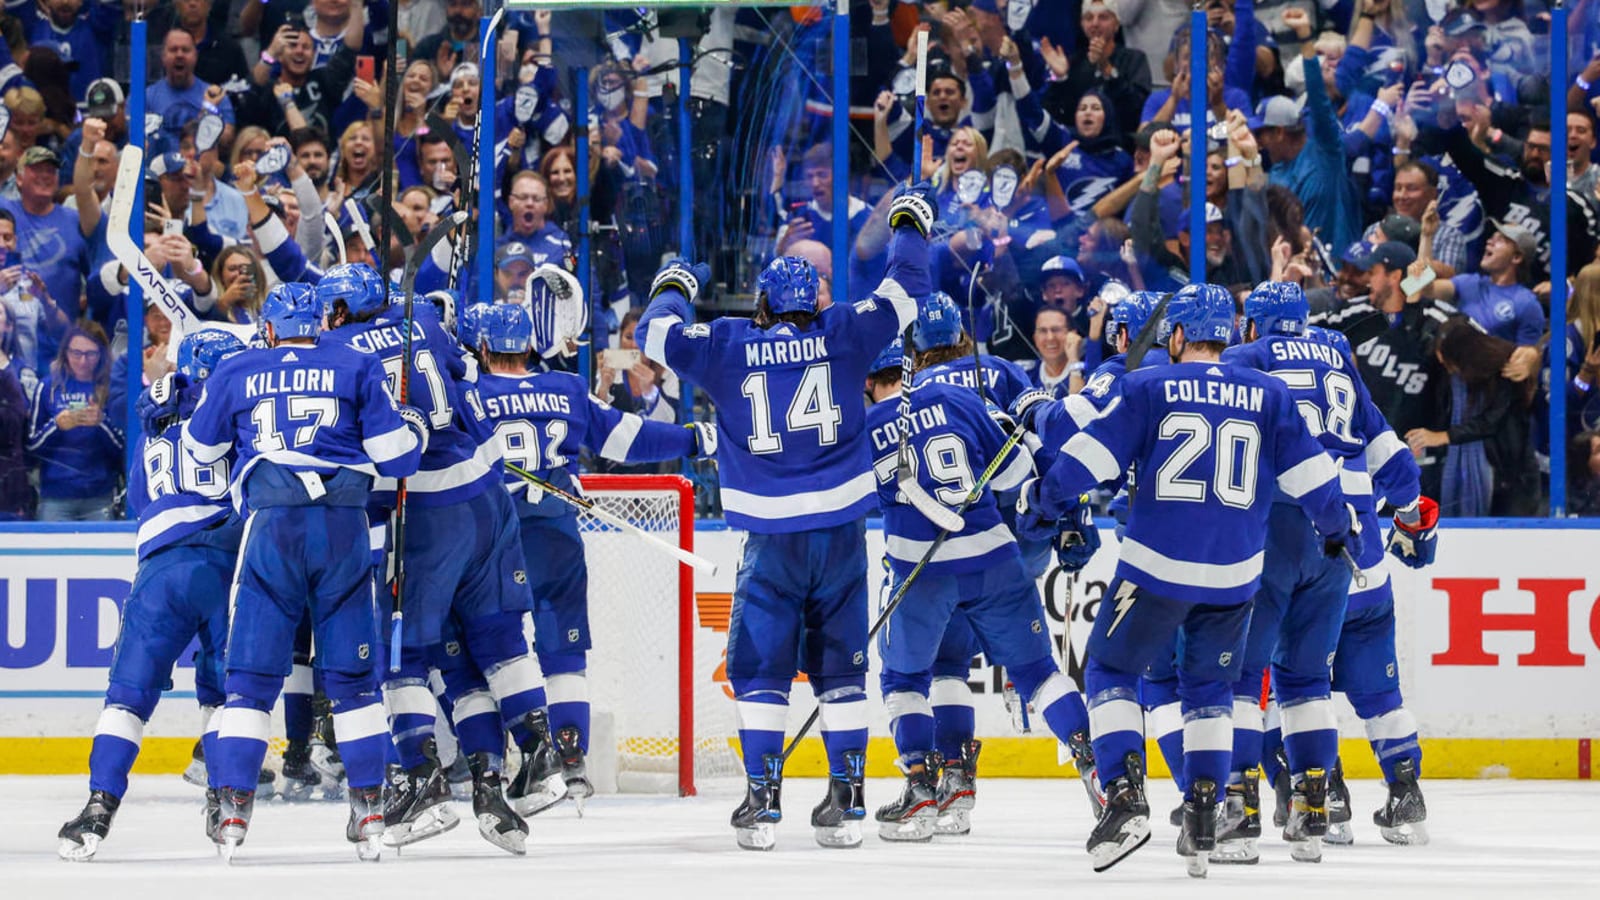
1129 316
1277 307
938 323
200 352
1332 337
789 284
469 325
1204 310
505 328
359 285
890 357
293 311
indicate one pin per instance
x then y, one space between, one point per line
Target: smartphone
402 50
367 69
1409 285
619 359
172 226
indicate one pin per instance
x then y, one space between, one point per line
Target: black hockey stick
408 285
1146 338
927 557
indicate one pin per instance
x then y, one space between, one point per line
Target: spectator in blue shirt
78 35
1495 298
180 96
813 220
49 238
76 437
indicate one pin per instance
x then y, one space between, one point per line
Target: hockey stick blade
332 224
119 240
940 515
698 563
1146 338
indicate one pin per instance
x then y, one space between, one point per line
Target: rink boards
1499 649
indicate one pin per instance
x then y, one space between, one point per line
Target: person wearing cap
289 76
512 266
104 101
49 238
1062 285
79 32
1104 63
1494 297
1307 148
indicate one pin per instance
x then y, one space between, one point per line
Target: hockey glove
683 275
705 439
1078 538
914 206
160 401
1033 525
418 423
1002 418
1415 540
1026 408
1347 540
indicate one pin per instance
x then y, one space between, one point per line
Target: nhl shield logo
1225 658
452 648
572 635
363 651
519 576
1037 627
859 658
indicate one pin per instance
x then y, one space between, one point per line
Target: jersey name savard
777 353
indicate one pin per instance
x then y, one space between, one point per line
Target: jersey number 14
812 407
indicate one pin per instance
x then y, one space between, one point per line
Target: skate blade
229 847
1197 864
955 823
1340 834
433 821
513 842
1135 834
1409 834
844 836
1306 850
916 828
550 791
1097 797
195 774
757 837
73 851
370 848
1237 852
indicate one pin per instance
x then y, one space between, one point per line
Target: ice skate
299 778
1340 834
755 821
81 837
1083 758
574 771
329 768
837 819
539 784
1308 816
195 772
496 821
417 804
1240 828
227 830
365 826
1403 818
1199 835
911 817
958 792
212 812
1125 825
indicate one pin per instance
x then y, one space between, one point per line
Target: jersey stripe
967 546
1093 455
1308 475
655 339
620 440
1202 575
794 506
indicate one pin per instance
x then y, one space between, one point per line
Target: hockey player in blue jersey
1208 442
978 571
187 544
543 419
796 472
1300 607
465 588
312 426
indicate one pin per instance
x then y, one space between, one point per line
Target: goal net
652 669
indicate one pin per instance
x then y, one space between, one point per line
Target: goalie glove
418 423
705 439
1025 409
914 206
1415 540
1078 538
682 275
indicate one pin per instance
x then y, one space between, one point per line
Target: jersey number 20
1236 446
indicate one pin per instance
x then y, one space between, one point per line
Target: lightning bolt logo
1125 598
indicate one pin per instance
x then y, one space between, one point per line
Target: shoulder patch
699 330
865 306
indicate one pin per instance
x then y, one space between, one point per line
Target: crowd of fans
1392 156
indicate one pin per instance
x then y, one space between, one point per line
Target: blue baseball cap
1061 265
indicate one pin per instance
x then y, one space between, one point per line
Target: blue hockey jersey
1207 442
952 441
175 497
304 410
456 466
792 444
1338 411
542 420
1003 379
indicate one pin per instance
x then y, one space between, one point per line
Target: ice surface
1519 840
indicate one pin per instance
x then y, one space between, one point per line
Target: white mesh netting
635 598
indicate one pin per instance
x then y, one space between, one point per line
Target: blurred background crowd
1392 156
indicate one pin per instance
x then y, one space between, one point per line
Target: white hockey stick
698 563
119 238
332 223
